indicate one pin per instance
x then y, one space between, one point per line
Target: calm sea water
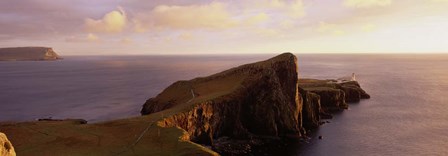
407 115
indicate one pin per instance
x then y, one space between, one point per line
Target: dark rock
324 115
354 85
311 109
331 99
334 96
266 102
352 94
321 122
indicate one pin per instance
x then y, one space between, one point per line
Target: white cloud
216 15
92 37
292 9
112 22
368 27
257 19
210 16
331 29
437 1
296 9
366 3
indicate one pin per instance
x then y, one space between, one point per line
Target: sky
128 27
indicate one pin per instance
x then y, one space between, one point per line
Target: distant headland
28 54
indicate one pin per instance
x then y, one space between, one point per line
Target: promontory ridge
28 54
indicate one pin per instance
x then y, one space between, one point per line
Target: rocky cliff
312 111
28 54
254 99
322 97
6 148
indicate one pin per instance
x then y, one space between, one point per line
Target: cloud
257 19
296 9
287 24
292 9
126 41
437 1
88 38
216 15
92 37
327 28
211 16
267 32
186 36
112 22
368 27
366 3
139 26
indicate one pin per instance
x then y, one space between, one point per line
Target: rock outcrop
331 99
260 99
254 99
353 91
6 148
28 54
312 111
333 96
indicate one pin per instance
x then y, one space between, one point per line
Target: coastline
138 124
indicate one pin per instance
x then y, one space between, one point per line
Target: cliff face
264 100
260 99
28 54
331 99
6 148
311 109
332 96
354 92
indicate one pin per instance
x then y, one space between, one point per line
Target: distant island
240 111
28 54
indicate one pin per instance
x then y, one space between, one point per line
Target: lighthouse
353 77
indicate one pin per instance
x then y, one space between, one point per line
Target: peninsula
228 113
28 54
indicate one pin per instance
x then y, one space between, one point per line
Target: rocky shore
240 111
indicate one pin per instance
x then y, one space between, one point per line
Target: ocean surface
407 114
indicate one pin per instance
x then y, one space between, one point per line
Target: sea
407 114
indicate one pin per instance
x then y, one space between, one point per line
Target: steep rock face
28 54
6 148
354 92
259 100
331 99
311 109
334 96
265 101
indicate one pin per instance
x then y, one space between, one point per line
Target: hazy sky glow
87 27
